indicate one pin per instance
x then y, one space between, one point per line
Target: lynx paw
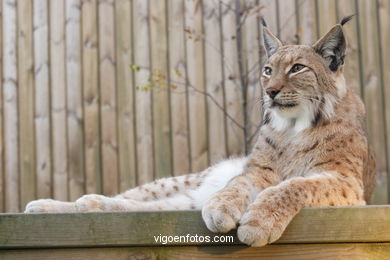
92 202
221 215
259 226
49 205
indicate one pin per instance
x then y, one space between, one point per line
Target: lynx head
303 83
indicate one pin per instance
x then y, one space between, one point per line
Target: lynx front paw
221 214
92 202
262 225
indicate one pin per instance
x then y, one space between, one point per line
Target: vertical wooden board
214 81
269 13
351 66
26 103
91 98
10 112
288 22
307 27
196 85
384 16
58 99
327 16
372 94
145 159
42 98
178 95
255 57
126 113
232 81
107 60
161 112
74 100
2 195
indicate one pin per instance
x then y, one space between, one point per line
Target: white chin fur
295 119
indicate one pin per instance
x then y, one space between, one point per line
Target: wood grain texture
179 92
144 130
255 56
26 105
10 112
324 251
306 26
196 85
108 105
214 67
58 99
91 97
384 23
74 100
373 94
2 191
160 90
311 225
125 88
232 81
42 99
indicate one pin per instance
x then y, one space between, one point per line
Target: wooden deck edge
131 229
298 251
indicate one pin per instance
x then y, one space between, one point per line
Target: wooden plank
42 99
108 93
58 99
74 100
326 16
255 57
311 225
125 87
10 112
178 94
160 95
2 192
324 251
269 13
214 81
372 94
196 85
384 22
145 156
346 8
26 103
90 63
307 27
288 22
232 81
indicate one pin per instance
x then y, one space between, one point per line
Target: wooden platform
326 233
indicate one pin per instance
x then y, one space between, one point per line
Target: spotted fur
312 150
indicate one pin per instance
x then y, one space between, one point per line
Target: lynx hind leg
165 187
49 205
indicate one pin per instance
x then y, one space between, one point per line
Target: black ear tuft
332 47
263 22
346 19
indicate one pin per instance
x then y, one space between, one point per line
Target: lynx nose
271 92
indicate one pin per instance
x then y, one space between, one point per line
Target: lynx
311 151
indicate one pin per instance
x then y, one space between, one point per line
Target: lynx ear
271 43
332 46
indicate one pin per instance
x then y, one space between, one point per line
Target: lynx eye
297 67
267 71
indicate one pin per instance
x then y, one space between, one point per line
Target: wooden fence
99 96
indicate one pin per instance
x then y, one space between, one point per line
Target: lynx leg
268 216
95 202
49 205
